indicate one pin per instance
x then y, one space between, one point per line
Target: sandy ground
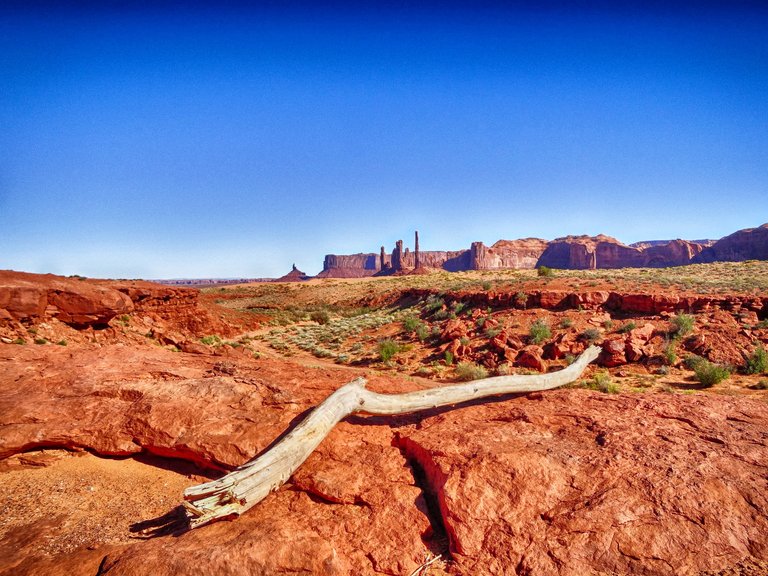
54 502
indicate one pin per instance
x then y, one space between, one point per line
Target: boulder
530 357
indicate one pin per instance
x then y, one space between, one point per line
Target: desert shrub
566 323
569 359
757 363
458 307
602 382
591 335
762 324
545 271
387 349
448 358
539 332
410 323
670 353
608 324
710 374
693 360
521 298
683 324
434 303
422 332
492 332
762 385
320 316
19 341
62 342
211 340
627 328
486 285
466 371
41 341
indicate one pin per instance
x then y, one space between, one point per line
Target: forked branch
247 485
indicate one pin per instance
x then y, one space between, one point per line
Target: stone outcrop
592 252
75 301
561 483
569 252
350 266
295 275
747 244
519 254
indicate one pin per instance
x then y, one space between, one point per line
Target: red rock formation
397 256
562 483
570 252
747 244
349 266
75 301
295 275
416 261
523 253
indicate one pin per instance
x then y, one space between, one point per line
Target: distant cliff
747 244
570 252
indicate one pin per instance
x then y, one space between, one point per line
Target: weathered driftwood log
244 487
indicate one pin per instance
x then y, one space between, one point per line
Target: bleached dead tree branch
247 485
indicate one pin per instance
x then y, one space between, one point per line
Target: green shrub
62 342
434 303
566 323
757 363
545 271
41 341
486 285
466 371
211 340
320 316
410 323
539 332
448 358
683 324
602 382
591 335
762 324
492 332
670 353
387 349
19 341
692 360
521 298
627 327
422 332
710 374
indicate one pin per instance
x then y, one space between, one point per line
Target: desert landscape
118 395
383 288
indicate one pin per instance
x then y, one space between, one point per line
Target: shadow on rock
172 523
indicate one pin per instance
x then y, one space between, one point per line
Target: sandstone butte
567 482
570 252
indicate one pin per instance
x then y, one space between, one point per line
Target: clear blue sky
158 141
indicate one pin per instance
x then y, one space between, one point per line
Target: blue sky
164 141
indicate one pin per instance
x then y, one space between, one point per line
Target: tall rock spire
417 264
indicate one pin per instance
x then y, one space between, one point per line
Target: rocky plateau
570 252
115 395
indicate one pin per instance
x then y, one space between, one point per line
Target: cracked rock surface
564 482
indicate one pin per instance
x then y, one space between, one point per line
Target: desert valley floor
117 395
